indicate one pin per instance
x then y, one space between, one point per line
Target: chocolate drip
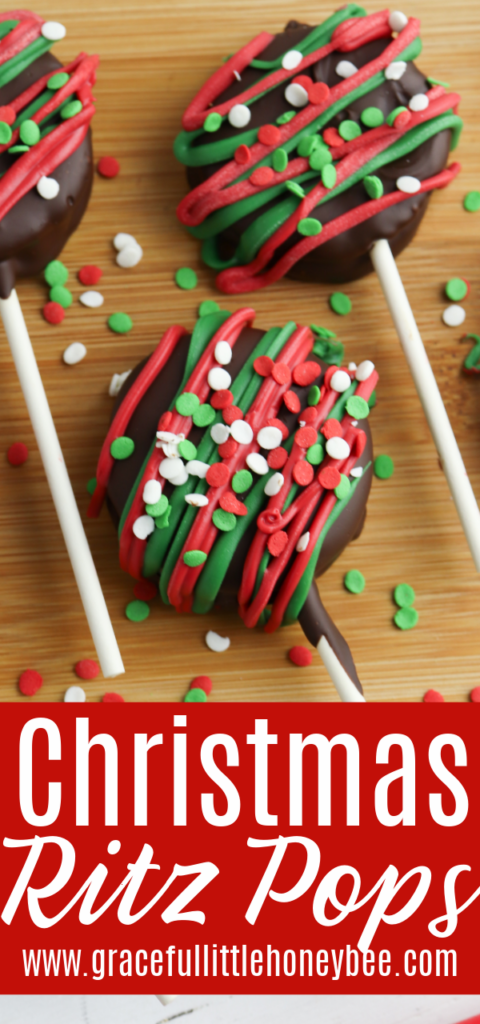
316 622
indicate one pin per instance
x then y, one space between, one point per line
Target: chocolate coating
35 230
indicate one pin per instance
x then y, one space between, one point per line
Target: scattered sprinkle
143 527
117 383
137 611
223 353
296 95
408 184
274 484
29 682
337 448
345 69
383 467
88 275
74 353
242 481
53 30
241 431
357 407
53 312
212 122
453 316
372 117
129 256
315 454
303 542
29 133
219 379
269 437
239 116
397 21
329 477
186 278
340 381
8 115
404 595
48 188
309 226
364 370
58 81
373 186
456 289
108 167
145 590
91 299
113 698
75 695
269 135
406 618
187 450
61 295
202 683
242 154
303 473
475 695
225 521
186 403
194 558
395 71
349 130
122 448
471 202
433 697
343 488
291 59
55 273
419 102
71 109
286 117
261 176
340 303
354 581
229 503
217 643
195 696
277 543
300 656
207 307
5 133
120 323
257 463
17 454
86 669
203 415
295 188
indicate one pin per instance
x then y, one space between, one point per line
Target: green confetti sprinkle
313 395
204 415
207 307
286 117
29 133
349 130
329 176
61 295
212 122
280 160
58 81
186 278
372 117
71 109
404 595
406 618
297 190
308 144
322 332
122 448
392 117
195 696
340 303
314 454
456 289
158 508
354 581
55 273
5 133
161 522
19 149
471 202
120 323
194 558
309 226
343 488
320 157
137 611
225 521
242 481
91 485
357 407
383 467
187 450
373 186
187 403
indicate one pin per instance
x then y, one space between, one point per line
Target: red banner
239 848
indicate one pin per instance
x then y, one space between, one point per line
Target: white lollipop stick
429 395
64 499
346 689
165 1000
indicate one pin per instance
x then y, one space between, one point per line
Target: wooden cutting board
154 56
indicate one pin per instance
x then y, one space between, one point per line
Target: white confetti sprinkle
453 316
75 694
302 543
354 423
152 492
197 468
143 527
408 184
219 379
53 30
296 95
257 463
220 433
91 299
358 471
180 479
197 500
291 59
129 256
352 366
419 102
237 75
170 449
397 21
365 369
239 116
223 353
395 70
269 437
166 435
117 383
274 485
170 468
216 642
241 432
122 239
340 381
48 188
345 69
74 353
337 448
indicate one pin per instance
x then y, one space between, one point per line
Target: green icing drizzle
16 65
318 37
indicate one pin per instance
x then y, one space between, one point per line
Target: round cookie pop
237 466
46 176
312 154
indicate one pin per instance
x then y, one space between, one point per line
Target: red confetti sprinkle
300 656
201 683
475 695
309 414
53 312
402 120
277 543
304 81
332 137
108 167
242 154
17 454
232 413
318 92
305 437
263 365
30 681
292 401
433 697
165 420
89 274
277 458
8 115
303 473
329 477
113 698
230 503
87 669
306 373
281 426
228 448
281 373
269 135
217 475
332 428
145 590
221 399
261 176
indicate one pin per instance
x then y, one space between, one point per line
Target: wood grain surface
154 56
